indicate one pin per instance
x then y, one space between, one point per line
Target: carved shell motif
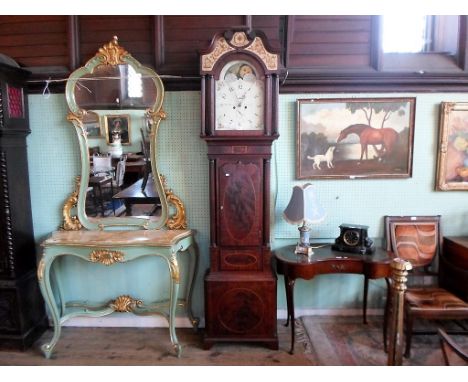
125 304
106 257
112 53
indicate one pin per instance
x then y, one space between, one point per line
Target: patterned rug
338 340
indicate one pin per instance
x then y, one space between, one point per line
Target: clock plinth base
239 309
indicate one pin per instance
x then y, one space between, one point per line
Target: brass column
400 270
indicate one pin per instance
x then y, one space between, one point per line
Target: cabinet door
240 202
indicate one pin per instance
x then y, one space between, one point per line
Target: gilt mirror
116 108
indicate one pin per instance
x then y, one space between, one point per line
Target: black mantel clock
239 103
353 238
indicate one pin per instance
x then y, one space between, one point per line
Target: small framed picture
353 138
117 128
93 129
452 158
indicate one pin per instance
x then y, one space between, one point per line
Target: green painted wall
54 162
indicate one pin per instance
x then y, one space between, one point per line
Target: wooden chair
116 182
102 180
454 355
102 165
145 148
120 172
418 239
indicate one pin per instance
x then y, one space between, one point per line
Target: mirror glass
115 106
115 87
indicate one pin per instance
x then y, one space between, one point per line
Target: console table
106 248
325 261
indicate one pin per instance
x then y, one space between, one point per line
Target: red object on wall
15 102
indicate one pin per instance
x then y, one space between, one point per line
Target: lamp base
303 250
303 247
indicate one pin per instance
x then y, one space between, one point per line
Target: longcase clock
239 123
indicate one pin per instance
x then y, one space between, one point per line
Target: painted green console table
111 247
102 94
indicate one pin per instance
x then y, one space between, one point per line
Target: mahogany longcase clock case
239 98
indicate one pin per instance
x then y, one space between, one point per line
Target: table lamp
303 209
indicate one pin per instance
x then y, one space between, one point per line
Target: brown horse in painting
387 137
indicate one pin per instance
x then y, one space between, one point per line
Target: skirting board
133 321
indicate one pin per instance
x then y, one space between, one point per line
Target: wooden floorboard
151 346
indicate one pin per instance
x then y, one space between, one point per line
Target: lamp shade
303 208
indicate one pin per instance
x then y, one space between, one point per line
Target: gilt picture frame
354 138
452 156
117 123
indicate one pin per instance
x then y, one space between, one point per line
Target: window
404 34
412 34
421 43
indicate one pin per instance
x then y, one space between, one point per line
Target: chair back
145 145
102 165
416 239
145 148
120 171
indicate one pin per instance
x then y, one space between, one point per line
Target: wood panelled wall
318 41
35 41
318 53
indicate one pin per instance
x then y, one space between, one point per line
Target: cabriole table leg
43 273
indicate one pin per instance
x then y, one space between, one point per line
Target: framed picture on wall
117 127
351 138
92 125
452 159
93 129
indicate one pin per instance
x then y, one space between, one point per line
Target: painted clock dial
239 98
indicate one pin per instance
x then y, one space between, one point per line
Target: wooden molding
73 32
158 41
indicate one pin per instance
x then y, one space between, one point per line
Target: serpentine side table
111 247
325 261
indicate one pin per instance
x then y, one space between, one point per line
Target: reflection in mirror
120 193
126 147
116 108
115 87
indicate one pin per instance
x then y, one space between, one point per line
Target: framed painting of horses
355 138
452 159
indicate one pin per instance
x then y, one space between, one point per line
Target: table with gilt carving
106 248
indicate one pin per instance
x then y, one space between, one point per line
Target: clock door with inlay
240 202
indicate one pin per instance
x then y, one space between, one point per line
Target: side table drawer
340 266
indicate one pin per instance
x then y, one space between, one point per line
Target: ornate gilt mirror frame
112 54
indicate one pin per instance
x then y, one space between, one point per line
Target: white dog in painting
327 157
